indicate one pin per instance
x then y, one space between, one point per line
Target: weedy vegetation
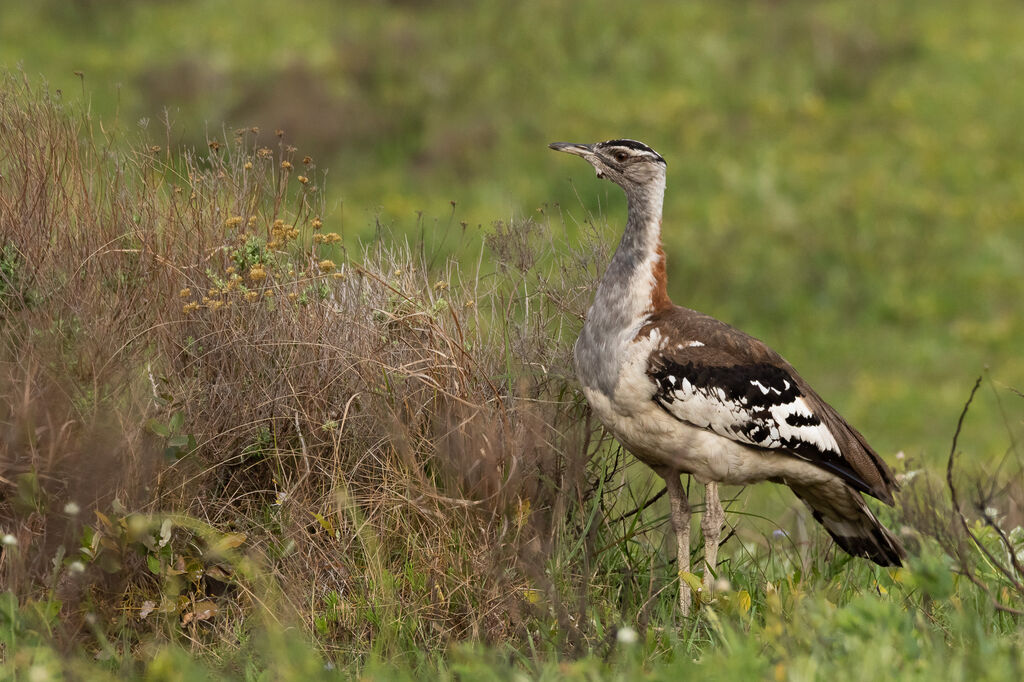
235 446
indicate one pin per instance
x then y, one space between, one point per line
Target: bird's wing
713 376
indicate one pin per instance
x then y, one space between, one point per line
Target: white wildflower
626 635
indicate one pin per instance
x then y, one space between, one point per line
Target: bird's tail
846 517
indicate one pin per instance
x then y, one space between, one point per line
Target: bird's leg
680 515
711 524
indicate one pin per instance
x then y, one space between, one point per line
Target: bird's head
629 164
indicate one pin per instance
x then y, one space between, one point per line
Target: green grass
844 181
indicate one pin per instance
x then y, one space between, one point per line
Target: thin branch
955 498
642 507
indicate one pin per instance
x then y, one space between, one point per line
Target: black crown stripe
630 144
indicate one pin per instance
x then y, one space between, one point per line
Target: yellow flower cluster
326 265
257 273
282 234
326 238
233 221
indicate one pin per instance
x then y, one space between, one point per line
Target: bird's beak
583 150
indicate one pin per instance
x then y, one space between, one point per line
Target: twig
642 507
955 498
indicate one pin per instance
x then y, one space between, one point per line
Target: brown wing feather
725 346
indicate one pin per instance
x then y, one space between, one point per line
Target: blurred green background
846 179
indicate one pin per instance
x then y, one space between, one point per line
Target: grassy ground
233 448
259 420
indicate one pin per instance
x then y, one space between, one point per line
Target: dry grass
399 444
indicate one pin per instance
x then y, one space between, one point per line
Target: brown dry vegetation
390 443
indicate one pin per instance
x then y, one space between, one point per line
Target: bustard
686 393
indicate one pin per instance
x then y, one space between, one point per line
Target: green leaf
8 611
30 495
691 579
157 428
179 441
324 523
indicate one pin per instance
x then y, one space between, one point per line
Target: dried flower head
326 238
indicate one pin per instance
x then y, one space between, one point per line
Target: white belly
662 441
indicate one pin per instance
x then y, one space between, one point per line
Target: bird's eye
621 156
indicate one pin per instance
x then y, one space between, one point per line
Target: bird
688 394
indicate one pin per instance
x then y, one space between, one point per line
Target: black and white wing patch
756 404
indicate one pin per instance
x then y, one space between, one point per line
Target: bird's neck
631 290
636 275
